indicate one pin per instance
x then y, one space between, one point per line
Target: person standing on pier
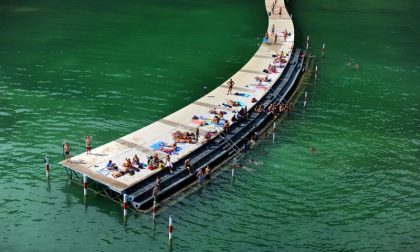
273 29
66 148
230 84
275 38
197 134
88 146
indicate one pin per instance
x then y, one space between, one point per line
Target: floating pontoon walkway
146 141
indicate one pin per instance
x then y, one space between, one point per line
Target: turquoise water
105 68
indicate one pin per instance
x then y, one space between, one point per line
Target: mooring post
154 210
274 131
306 99
170 228
307 43
234 163
125 205
323 50
85 185
47 166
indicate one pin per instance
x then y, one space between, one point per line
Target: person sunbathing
219 113
262 79
168 148
233 103
183 137
117 174
215 120
272 69
121 172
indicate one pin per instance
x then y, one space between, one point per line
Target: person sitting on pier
111 166
259 108
234 118
226 126
187 165
207 137
161 165
168 164
127 166
270 108
150 164
289 106
155 159
136 162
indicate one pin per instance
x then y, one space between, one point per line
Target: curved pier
153 138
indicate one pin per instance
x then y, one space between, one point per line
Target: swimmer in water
312 150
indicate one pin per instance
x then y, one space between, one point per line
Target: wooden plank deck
141 141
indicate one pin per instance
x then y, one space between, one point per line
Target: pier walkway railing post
125 205
47 166
170 229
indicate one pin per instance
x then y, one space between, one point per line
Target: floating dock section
156 138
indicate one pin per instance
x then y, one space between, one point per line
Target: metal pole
170 228
85 185
125 205
47 166
154 210
307 43
274 131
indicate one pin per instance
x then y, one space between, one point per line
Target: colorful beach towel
242 94
104 171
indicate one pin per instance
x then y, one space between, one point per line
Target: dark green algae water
107 68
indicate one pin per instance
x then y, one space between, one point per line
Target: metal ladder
230 143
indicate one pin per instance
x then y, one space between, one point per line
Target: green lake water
106 68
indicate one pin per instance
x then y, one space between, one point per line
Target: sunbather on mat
183 137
